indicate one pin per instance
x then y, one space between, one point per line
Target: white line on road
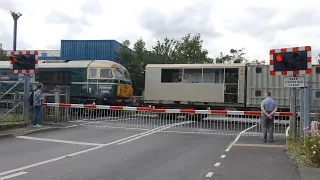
155 131
76 153
209 174
223 156
217 164
237 138
59 141
13 175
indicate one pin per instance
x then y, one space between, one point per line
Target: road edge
27 132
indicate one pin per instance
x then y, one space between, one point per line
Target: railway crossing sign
291 61
291 82
24 62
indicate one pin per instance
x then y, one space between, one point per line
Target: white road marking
59 141
107 127
13 175
223 156
155 131
74 154
237 138
209 174
217 164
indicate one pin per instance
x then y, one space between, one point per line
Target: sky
255 25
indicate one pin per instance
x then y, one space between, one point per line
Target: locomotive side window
93 73
126 74
118 74
106 73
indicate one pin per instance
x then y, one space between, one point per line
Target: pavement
87 152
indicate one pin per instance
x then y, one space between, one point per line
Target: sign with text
293 82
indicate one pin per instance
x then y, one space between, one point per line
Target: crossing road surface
116 154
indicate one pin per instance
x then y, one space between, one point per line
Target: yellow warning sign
241 72
124 90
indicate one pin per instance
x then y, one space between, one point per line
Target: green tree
125 54
3 55
190 50
234 56
164 52
167 51
258 62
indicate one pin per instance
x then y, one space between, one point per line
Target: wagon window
106 73
171 75
258 70
231 75
192 76
258 93
93 73
318 70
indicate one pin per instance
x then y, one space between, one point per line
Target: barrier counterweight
166 120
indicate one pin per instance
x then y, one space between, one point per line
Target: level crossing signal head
292 61
23 62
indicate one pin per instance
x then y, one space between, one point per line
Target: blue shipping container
48 58
89 49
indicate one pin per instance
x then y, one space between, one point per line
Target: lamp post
15 17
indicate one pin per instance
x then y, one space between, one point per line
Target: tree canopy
188 50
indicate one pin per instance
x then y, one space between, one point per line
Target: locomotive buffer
291 62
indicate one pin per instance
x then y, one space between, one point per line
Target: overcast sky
254 25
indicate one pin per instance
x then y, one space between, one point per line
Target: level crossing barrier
165 120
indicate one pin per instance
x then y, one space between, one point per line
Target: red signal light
279 58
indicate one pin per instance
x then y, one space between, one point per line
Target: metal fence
309 110
168 120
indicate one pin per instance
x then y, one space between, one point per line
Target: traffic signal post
25 63
294 61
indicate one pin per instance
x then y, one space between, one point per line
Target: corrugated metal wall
260 81
89 49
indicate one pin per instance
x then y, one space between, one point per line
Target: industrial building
81 50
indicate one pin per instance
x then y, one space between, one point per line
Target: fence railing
169 120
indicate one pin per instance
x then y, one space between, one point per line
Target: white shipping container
259 81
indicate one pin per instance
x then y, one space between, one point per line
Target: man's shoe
264 140
271 140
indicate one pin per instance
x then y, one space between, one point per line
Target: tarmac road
116 154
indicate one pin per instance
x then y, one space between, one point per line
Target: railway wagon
100 81
195 85
218 86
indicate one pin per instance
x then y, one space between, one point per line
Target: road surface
117 154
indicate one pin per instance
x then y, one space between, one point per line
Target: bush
312 148
305 151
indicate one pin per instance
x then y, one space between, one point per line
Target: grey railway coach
218 86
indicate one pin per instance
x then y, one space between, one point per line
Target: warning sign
293 82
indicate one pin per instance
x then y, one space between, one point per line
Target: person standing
268 107
38 97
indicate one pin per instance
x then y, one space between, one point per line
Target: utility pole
15 17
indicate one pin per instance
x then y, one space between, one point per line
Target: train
219 86
92 81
